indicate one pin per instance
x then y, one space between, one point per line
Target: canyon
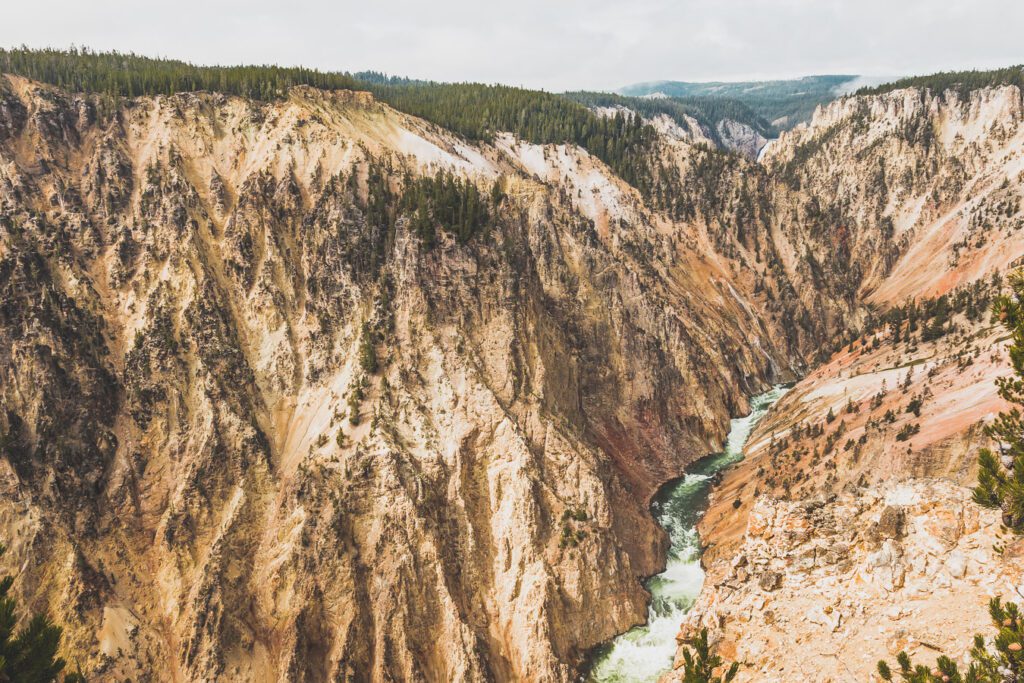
253 428
848 535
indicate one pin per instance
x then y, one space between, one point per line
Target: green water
645 652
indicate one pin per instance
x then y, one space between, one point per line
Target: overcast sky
552 44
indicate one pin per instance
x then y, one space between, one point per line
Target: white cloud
554 44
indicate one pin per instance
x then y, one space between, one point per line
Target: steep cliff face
910 180
254 429
925 194
260 419
952 221
878 200
741 138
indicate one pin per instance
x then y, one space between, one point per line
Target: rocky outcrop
920 190
821 589
740 138
255 426
254 429
923 194
728 134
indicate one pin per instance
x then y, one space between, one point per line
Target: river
645 652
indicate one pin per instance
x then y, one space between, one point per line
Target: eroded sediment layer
187 282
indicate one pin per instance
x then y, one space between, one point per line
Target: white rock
956 564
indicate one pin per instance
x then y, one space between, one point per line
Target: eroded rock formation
930 188
214 485
255 427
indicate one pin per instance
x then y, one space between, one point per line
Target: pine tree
474 110
1001 480
699 665
28 654
367 351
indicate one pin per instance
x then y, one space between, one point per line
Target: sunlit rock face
930 189
255 428
909 565
211 480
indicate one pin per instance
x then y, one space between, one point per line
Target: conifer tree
367 351
699 664
1001 479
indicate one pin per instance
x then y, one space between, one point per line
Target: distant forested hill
708 111
783 103
961 81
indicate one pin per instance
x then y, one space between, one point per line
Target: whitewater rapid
642 654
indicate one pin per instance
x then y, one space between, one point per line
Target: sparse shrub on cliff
28 654
571 535
577 514
367 351
1000 662
907 431
699 665
936 328
876 400
355 400
1001 480
915 406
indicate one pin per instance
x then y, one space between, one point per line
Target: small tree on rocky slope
1001 478
1003 661
1000 485
28 654
700 664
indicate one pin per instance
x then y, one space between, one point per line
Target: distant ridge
784 103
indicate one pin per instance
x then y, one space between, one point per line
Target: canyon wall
254 429
927 190
258 423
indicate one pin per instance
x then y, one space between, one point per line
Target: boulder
956 564
891 523
770 581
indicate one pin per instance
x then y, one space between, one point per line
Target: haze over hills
783 103
312 376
